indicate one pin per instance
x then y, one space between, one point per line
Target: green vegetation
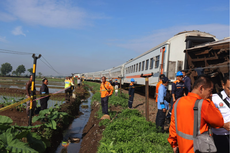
20 69
20 139
11 100
129 132
6 68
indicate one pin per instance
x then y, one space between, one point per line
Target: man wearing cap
162 104
178 87
131 93
158 85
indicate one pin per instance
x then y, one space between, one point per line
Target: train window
140 66
143 65
132 69
151 63
157 61
136 67
147 65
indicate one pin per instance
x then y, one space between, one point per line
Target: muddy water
75 130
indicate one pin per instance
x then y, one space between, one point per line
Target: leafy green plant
11 136
52 117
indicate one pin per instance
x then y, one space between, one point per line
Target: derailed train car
185 50
211 59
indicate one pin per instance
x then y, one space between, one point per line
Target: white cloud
145 43
6 17
3 39
18 31
51 13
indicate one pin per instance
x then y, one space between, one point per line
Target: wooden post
120 85
146 95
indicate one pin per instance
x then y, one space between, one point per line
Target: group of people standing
44 90
213 112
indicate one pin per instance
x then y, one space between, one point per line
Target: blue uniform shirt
178 89
161 94
187 84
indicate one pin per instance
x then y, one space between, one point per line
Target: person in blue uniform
187 82
178 87
162 104
131 93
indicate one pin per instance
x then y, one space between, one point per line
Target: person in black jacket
44 90
131 93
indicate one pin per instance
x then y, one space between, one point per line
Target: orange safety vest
158 85
106 89
181 127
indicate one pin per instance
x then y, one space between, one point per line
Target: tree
30 70
39 74
6 68
14 73
21 69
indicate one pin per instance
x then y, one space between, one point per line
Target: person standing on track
158 85
28 94
106 90
181 127
187 82
178 87
44 90
162 104
222 102
68 92
131 93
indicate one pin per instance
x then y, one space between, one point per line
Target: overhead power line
14 52
50 66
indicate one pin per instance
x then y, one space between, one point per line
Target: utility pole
147 95
33 87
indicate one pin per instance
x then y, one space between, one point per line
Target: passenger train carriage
166 58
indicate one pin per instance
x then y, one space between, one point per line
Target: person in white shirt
222 102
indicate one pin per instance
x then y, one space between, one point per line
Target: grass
24 78
129 132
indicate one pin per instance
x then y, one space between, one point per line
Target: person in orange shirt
210 115
158 85
106 90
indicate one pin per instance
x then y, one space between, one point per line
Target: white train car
97 75
117 72
167 58
106 73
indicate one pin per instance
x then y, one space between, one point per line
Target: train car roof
197 32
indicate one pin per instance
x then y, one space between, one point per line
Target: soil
92 132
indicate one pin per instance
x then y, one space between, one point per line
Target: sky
77 36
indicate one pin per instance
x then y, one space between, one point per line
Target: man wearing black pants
44 90
222 102
106 90
162 104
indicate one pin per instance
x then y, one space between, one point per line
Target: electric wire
50 67
15 52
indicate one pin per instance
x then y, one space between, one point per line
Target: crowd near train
183 71
192 51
